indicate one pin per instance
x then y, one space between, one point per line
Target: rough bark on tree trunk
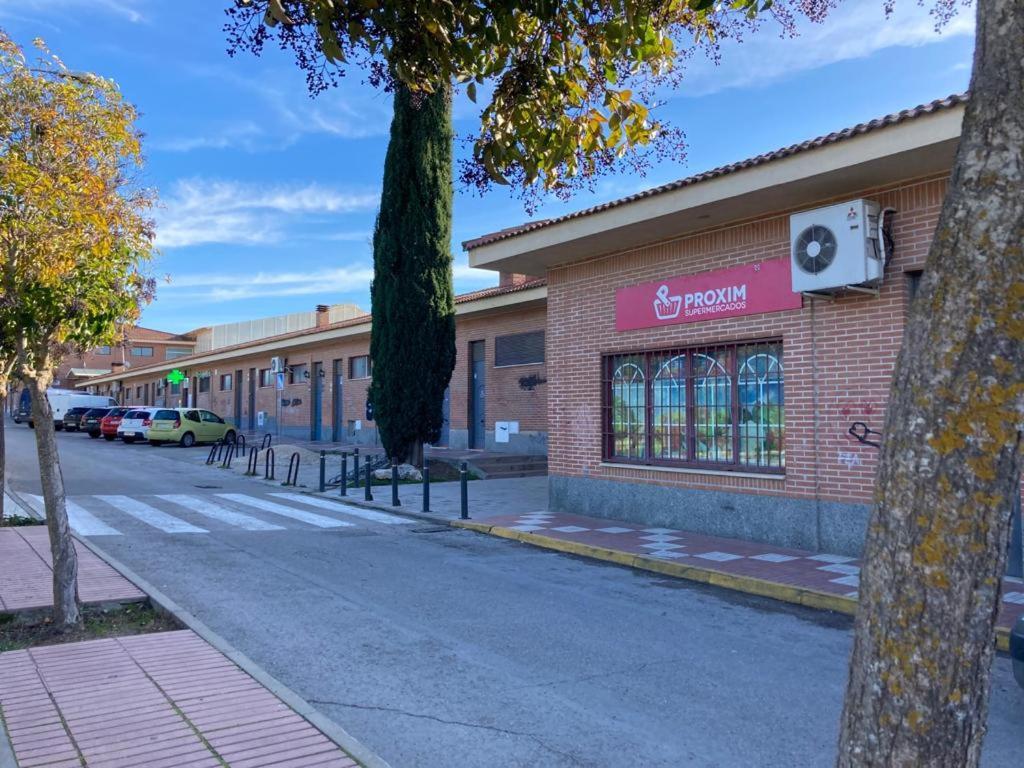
3 447
66 610
951 460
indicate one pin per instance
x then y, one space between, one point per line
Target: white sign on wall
260 417
501 431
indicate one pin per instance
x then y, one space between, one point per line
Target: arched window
668 406
712 395
628 408
762 407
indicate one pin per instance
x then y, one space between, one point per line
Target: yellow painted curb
748 584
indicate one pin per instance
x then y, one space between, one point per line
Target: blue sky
268 197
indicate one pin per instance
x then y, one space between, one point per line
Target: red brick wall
506 399
857 340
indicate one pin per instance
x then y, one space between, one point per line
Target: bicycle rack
240 441
213 453
254 460
228 455
293 462
268 465
266 441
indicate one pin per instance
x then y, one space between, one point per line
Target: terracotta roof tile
831 138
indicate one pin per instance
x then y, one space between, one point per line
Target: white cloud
221 286
854 30
287 113
231 212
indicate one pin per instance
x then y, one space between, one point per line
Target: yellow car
189 426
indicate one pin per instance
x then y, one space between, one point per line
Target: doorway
477 394
252 399
236 384
338 430
317 408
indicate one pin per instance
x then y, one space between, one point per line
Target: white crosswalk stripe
82 521
207 508
279 509
347 509
150 515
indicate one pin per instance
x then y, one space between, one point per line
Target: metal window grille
519 349
720 407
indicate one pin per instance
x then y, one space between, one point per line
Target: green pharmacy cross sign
175 377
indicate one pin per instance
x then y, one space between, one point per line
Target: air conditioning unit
836 247
277 365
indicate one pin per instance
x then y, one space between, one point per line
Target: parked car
1017 650
91 421
110 422
135 424
73 417
189 426
60 401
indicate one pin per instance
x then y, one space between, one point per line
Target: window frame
506 339
142 351
369 367
229 380
649 428
298 373
203 385
266 378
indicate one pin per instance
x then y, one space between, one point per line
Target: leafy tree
559 114
413 341
73 234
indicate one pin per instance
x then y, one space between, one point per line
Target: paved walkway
26 576
812 578
165 700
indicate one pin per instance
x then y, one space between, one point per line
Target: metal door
477 395
237 385
338 432
252 399
317 406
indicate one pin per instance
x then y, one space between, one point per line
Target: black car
91 421
1017 650
73 418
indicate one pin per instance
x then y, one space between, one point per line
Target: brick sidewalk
812 578
26 580
164 700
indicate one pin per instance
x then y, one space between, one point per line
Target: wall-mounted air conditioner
277 365
836 247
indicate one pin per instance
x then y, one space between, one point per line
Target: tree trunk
951 460
66 610
3 447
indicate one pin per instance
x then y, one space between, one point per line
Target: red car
110 423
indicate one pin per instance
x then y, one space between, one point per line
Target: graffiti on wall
531 382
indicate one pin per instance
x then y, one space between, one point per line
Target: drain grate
432 529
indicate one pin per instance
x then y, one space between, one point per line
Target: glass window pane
668 406
628 398
762 406
712 394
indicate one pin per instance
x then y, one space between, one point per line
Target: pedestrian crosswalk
183 513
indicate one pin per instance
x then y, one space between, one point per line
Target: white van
61 400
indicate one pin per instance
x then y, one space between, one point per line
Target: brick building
689 384
142 346
496 400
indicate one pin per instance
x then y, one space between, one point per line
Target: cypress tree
412 345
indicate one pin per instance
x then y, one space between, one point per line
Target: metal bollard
344 473
323 470
426 487
369 482
464 482
394 485
355 458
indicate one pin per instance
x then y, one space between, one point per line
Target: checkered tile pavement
823 572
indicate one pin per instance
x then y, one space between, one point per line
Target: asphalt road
445 647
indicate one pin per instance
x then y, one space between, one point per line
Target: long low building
311 383
714 354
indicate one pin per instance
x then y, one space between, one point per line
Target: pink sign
745 290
